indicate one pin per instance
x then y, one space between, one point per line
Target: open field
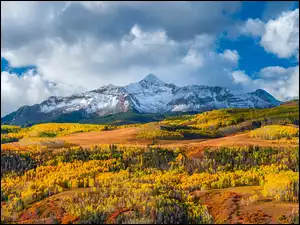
127 136
122 136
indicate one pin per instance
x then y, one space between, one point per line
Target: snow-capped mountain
149 95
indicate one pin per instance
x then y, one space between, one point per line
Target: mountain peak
151 79
150 95
266 96
260 91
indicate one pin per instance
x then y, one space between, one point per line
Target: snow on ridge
151 95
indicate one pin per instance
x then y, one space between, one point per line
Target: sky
62 48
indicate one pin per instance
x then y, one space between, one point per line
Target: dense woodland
149 184
143 179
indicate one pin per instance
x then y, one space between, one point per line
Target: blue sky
247 49
61 48
5 66
265 9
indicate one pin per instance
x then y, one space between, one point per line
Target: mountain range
150 96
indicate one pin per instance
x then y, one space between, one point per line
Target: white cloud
273 72
28 89
253 27
88 64
93 5
81 46
281 36
240 77
231 55
24 22
278 36
282 83
193 58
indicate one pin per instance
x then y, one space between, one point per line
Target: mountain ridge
148 96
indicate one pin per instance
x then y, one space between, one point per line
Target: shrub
11 137
9 129
283 186
275 132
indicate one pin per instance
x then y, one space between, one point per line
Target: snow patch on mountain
151 95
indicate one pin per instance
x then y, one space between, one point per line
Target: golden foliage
283 186
275 132
151 184
61 129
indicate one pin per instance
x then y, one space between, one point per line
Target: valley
221 166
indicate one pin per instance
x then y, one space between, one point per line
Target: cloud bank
80 46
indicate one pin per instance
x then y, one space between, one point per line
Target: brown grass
225 206
126 136
237 140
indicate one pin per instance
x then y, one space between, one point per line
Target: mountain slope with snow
149 95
